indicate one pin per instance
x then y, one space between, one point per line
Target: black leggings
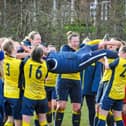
90 101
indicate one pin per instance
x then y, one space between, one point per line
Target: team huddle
36 80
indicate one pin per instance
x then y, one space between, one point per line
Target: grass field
67 118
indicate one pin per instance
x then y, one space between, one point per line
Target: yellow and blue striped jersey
118 79
94 42
11 67
51 80
35 74
71 76
108 72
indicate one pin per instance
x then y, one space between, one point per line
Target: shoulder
64 48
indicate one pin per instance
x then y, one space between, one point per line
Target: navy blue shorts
51 93
67 87
29 106
15 107
108 104
8 110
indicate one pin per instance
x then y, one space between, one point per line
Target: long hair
37 54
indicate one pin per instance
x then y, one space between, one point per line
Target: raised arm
113 42
106 63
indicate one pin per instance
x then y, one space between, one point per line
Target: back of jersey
117 90
51 80
35 74
11 77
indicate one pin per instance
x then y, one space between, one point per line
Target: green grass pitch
67 117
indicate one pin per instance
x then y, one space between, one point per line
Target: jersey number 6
123 74
38 72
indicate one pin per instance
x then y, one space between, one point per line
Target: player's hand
101 45
26 49
97 106
124 109
106 63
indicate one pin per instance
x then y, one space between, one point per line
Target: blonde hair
2 40
8 46
31 35
71 34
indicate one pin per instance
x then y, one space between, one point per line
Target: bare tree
4 12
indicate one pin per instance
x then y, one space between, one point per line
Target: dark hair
118 39
123 49
37 53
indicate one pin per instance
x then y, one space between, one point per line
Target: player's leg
42 119
36 119
105 107
75 95
124 110
62 97
96 118
54 103
102 117
90 100
76 114
41 110
118 118
97 104
49 113
9 121
16 111
1 112
1 103
117 111
59 115
26 120
27 111
110 119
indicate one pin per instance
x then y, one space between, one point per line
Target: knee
61 106
49 105
54 106
117 115
77 108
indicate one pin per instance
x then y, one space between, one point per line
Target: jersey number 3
123 74
8 69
